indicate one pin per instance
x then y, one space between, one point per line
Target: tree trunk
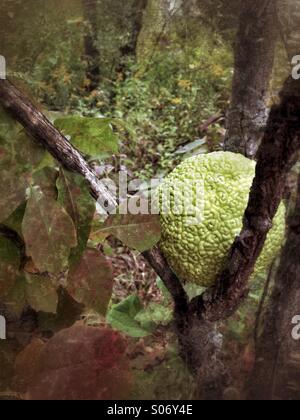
278 353
254 59
153 28
276 157
277 369
136 19
130 48
92 53
243 136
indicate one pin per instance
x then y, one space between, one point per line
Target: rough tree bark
276 156
92 53
136 19
153 26
254 58
130 48
39 127
277 360
276 347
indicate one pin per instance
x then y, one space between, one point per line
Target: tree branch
248 113
157 260
275 347
41 129
275 159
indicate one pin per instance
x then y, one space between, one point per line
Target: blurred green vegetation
184 78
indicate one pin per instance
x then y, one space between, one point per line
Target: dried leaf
74 195
80 363
12 192
26 364
17 150
18 156
91 281
140 232
41 293
45 179
49 233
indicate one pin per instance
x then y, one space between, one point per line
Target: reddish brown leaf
27 364
49 233
46 180
139 232
80 363
91 281
12 192
74 196
41 293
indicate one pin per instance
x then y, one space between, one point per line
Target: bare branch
173 284
41 129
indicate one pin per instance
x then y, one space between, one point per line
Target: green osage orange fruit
202 203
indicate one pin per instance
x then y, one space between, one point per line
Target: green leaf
92 136
139 232
193 290
91 281
122 317
17 149
74 196
49 233
155 313
163 289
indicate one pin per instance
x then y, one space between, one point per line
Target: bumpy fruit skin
196 249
